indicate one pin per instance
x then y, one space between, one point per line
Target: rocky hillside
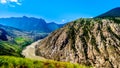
9 33
111 13
30 24
13 40
93 42
3 35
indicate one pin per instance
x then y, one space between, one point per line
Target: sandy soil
29 51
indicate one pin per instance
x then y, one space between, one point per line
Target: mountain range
9 33
30 24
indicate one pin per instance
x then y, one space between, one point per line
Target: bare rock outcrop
93 42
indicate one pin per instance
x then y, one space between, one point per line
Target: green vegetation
6 48
71 35
114 19
13 48
110 30
15 62
22 42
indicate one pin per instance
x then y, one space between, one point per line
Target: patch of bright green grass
19 40
16 62
14 48
7 48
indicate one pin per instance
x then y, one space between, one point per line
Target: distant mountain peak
29 24
115 12
52 23
25 17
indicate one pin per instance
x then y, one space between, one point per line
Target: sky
59 11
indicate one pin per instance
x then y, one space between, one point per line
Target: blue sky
59 11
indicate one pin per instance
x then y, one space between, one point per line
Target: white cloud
18 3
3 1
14 1
63 20
11 2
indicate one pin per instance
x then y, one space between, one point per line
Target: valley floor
29 51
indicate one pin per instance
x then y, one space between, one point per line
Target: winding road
29 51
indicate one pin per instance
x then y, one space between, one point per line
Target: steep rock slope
93 42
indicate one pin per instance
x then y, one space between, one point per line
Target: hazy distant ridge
30 24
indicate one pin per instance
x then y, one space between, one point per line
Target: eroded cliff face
93 42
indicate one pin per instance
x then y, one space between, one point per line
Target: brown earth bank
92 41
